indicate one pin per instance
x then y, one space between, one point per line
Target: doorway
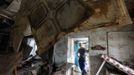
73 47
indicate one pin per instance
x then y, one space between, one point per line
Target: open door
73 47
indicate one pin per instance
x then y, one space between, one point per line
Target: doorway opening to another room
73 54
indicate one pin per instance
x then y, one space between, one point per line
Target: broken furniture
116 64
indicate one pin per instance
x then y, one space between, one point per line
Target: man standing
81 54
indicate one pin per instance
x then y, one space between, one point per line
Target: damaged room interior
66 37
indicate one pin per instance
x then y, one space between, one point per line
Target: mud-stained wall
98 36
121 46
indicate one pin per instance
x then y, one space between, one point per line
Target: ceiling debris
69 16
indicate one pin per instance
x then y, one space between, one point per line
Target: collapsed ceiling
64 16
50 20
